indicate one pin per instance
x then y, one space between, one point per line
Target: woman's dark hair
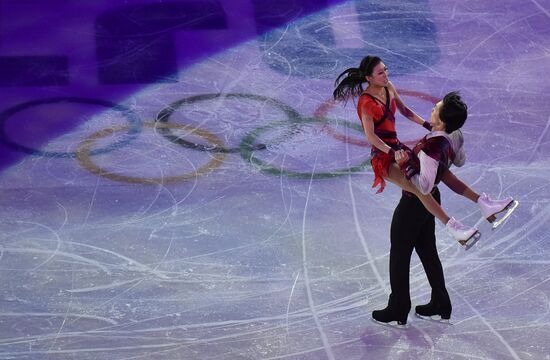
453 112
350 82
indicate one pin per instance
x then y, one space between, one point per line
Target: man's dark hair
453 112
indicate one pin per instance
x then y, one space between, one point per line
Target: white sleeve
425 180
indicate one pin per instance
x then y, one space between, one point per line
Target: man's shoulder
438 147
439 137
435 143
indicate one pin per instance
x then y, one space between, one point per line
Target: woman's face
379 75
435 120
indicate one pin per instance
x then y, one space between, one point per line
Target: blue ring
133 119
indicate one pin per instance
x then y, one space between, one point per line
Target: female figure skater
376 110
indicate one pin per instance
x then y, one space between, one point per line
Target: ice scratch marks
324 339
453 13
52 314
103 287
108 266
92 200
489 37
67 312
359 231
526 290
230 330
95 349
128 263
412 60
490 327
344 23
534 153
75 257
65 215
289 300
522 233
58 242
300 354
545 11
301 315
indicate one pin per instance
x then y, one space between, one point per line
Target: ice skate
431 312
465 235
491 208
387 318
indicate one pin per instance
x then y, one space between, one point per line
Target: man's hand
401 157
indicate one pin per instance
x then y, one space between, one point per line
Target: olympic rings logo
133 129
84 158
249 145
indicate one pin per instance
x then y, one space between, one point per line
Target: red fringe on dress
381 163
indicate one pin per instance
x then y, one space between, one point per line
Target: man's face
435 120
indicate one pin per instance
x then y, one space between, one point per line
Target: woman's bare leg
396 176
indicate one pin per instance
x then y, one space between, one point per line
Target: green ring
247 152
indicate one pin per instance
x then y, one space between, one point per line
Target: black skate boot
434 312
389 318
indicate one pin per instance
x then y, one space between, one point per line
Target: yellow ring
84 148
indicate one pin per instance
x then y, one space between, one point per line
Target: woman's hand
401 157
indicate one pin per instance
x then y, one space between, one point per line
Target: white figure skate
465 235
496 211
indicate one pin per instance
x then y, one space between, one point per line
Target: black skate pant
413 227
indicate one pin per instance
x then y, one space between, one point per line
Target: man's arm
422 173
424 178
458 186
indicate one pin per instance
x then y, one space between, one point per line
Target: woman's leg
463 234
396 176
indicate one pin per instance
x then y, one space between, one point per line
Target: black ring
164 116
132 118
247 153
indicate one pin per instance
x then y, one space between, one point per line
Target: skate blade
471 241
436 318
509 210
391 324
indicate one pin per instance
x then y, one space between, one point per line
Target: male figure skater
412 226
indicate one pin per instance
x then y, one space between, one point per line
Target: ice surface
259 236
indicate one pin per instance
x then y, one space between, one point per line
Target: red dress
384 127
